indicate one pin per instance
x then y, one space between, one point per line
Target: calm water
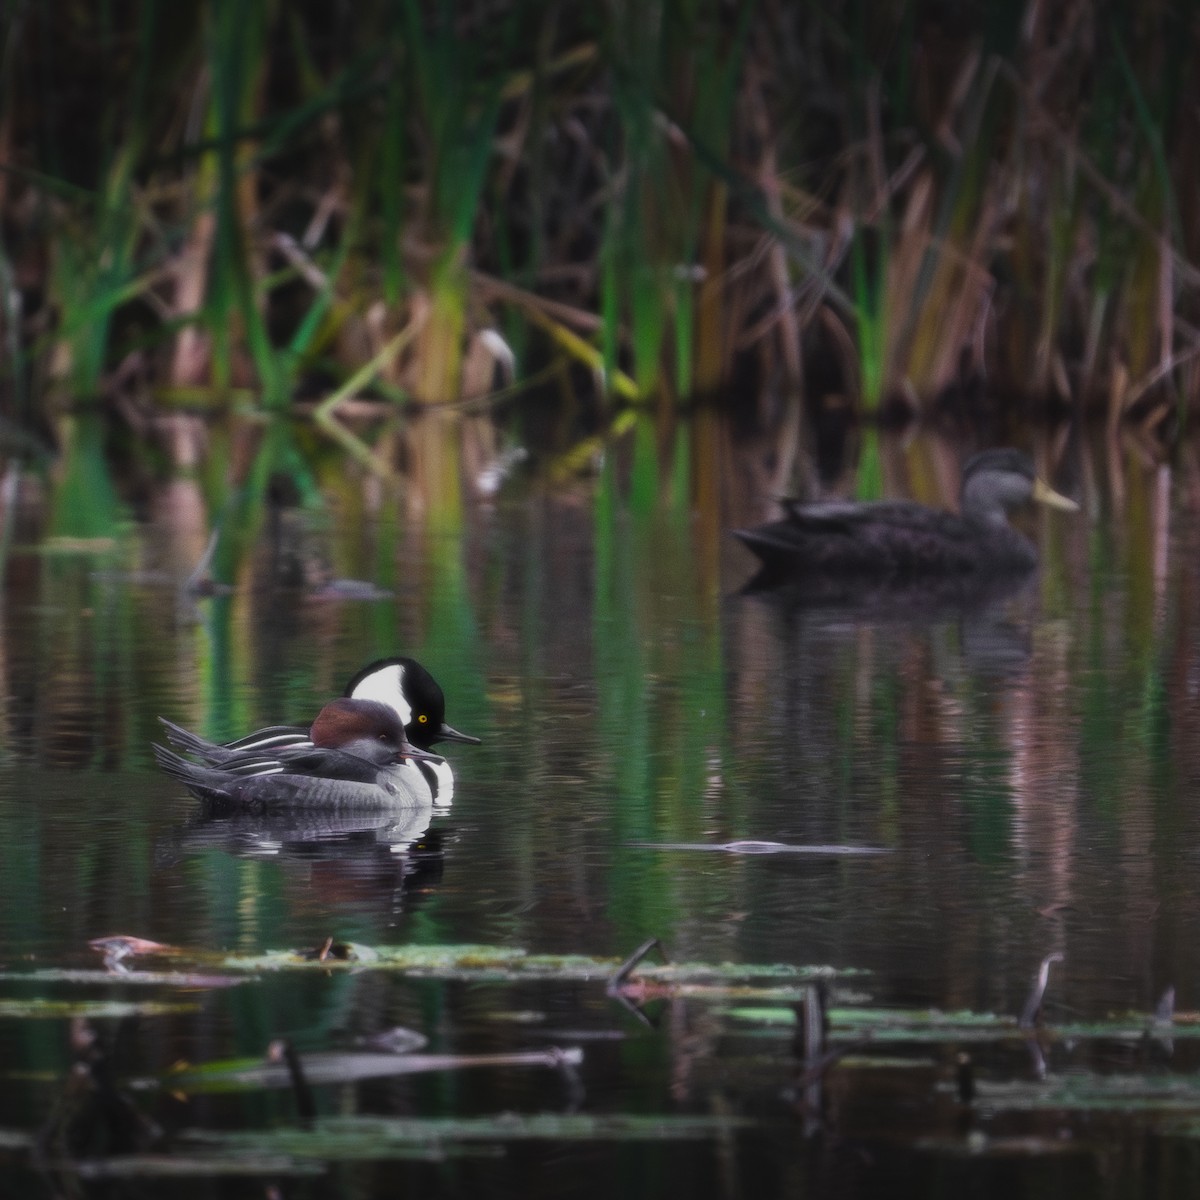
1032 765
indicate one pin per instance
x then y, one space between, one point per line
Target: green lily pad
1079 1090
467 963
336 1067
362 1137
187 1166
39 1008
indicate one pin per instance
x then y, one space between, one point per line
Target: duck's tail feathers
199 780
176 765
184 738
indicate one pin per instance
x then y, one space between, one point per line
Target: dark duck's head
995 482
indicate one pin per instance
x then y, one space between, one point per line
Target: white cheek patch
387 687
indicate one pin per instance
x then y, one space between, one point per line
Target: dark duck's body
901 539
356 757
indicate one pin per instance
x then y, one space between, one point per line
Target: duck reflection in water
360 859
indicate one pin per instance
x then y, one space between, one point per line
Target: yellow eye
422 718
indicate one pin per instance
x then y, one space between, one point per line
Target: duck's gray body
292 784
902 539
413 781
357 758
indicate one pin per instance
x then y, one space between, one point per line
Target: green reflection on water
85 499
661 710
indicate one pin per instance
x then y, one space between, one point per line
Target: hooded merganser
903 539
401 684
356 756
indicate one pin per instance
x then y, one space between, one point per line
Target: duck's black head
407 687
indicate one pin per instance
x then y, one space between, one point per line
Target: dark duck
906 540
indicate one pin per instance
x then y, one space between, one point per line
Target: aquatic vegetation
849 1051
293 211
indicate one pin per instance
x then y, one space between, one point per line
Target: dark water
1031 765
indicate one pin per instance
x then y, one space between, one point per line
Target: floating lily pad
457 962
505 964
363 1137
936 1025
191 980
467 963
40 1008
335 1067
979 1145
188 1166
294 1151
1079 1090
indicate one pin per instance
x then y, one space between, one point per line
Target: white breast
443 794
412 779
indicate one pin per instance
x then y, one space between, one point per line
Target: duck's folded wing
262 741
847 515
855 538
322 763
272 738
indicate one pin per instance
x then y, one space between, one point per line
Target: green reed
276 195
672 73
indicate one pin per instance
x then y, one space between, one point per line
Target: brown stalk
1120 203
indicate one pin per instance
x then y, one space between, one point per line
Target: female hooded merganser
356 756
903 539
401 684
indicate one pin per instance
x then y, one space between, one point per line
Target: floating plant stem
1032 1012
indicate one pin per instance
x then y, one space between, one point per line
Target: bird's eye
422 718
383 737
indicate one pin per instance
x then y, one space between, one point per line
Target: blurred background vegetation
558 211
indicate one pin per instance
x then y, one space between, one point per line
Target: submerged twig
622 973
812 1025
1164 1012
620 978
121 946
282 1050
92 1106
964 1074
1163 1024
199 582
10 489
1032 1012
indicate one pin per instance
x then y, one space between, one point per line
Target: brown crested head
344 721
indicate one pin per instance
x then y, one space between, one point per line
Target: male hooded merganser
901 539
401 684
356 756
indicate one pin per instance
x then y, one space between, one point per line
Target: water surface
1029 765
